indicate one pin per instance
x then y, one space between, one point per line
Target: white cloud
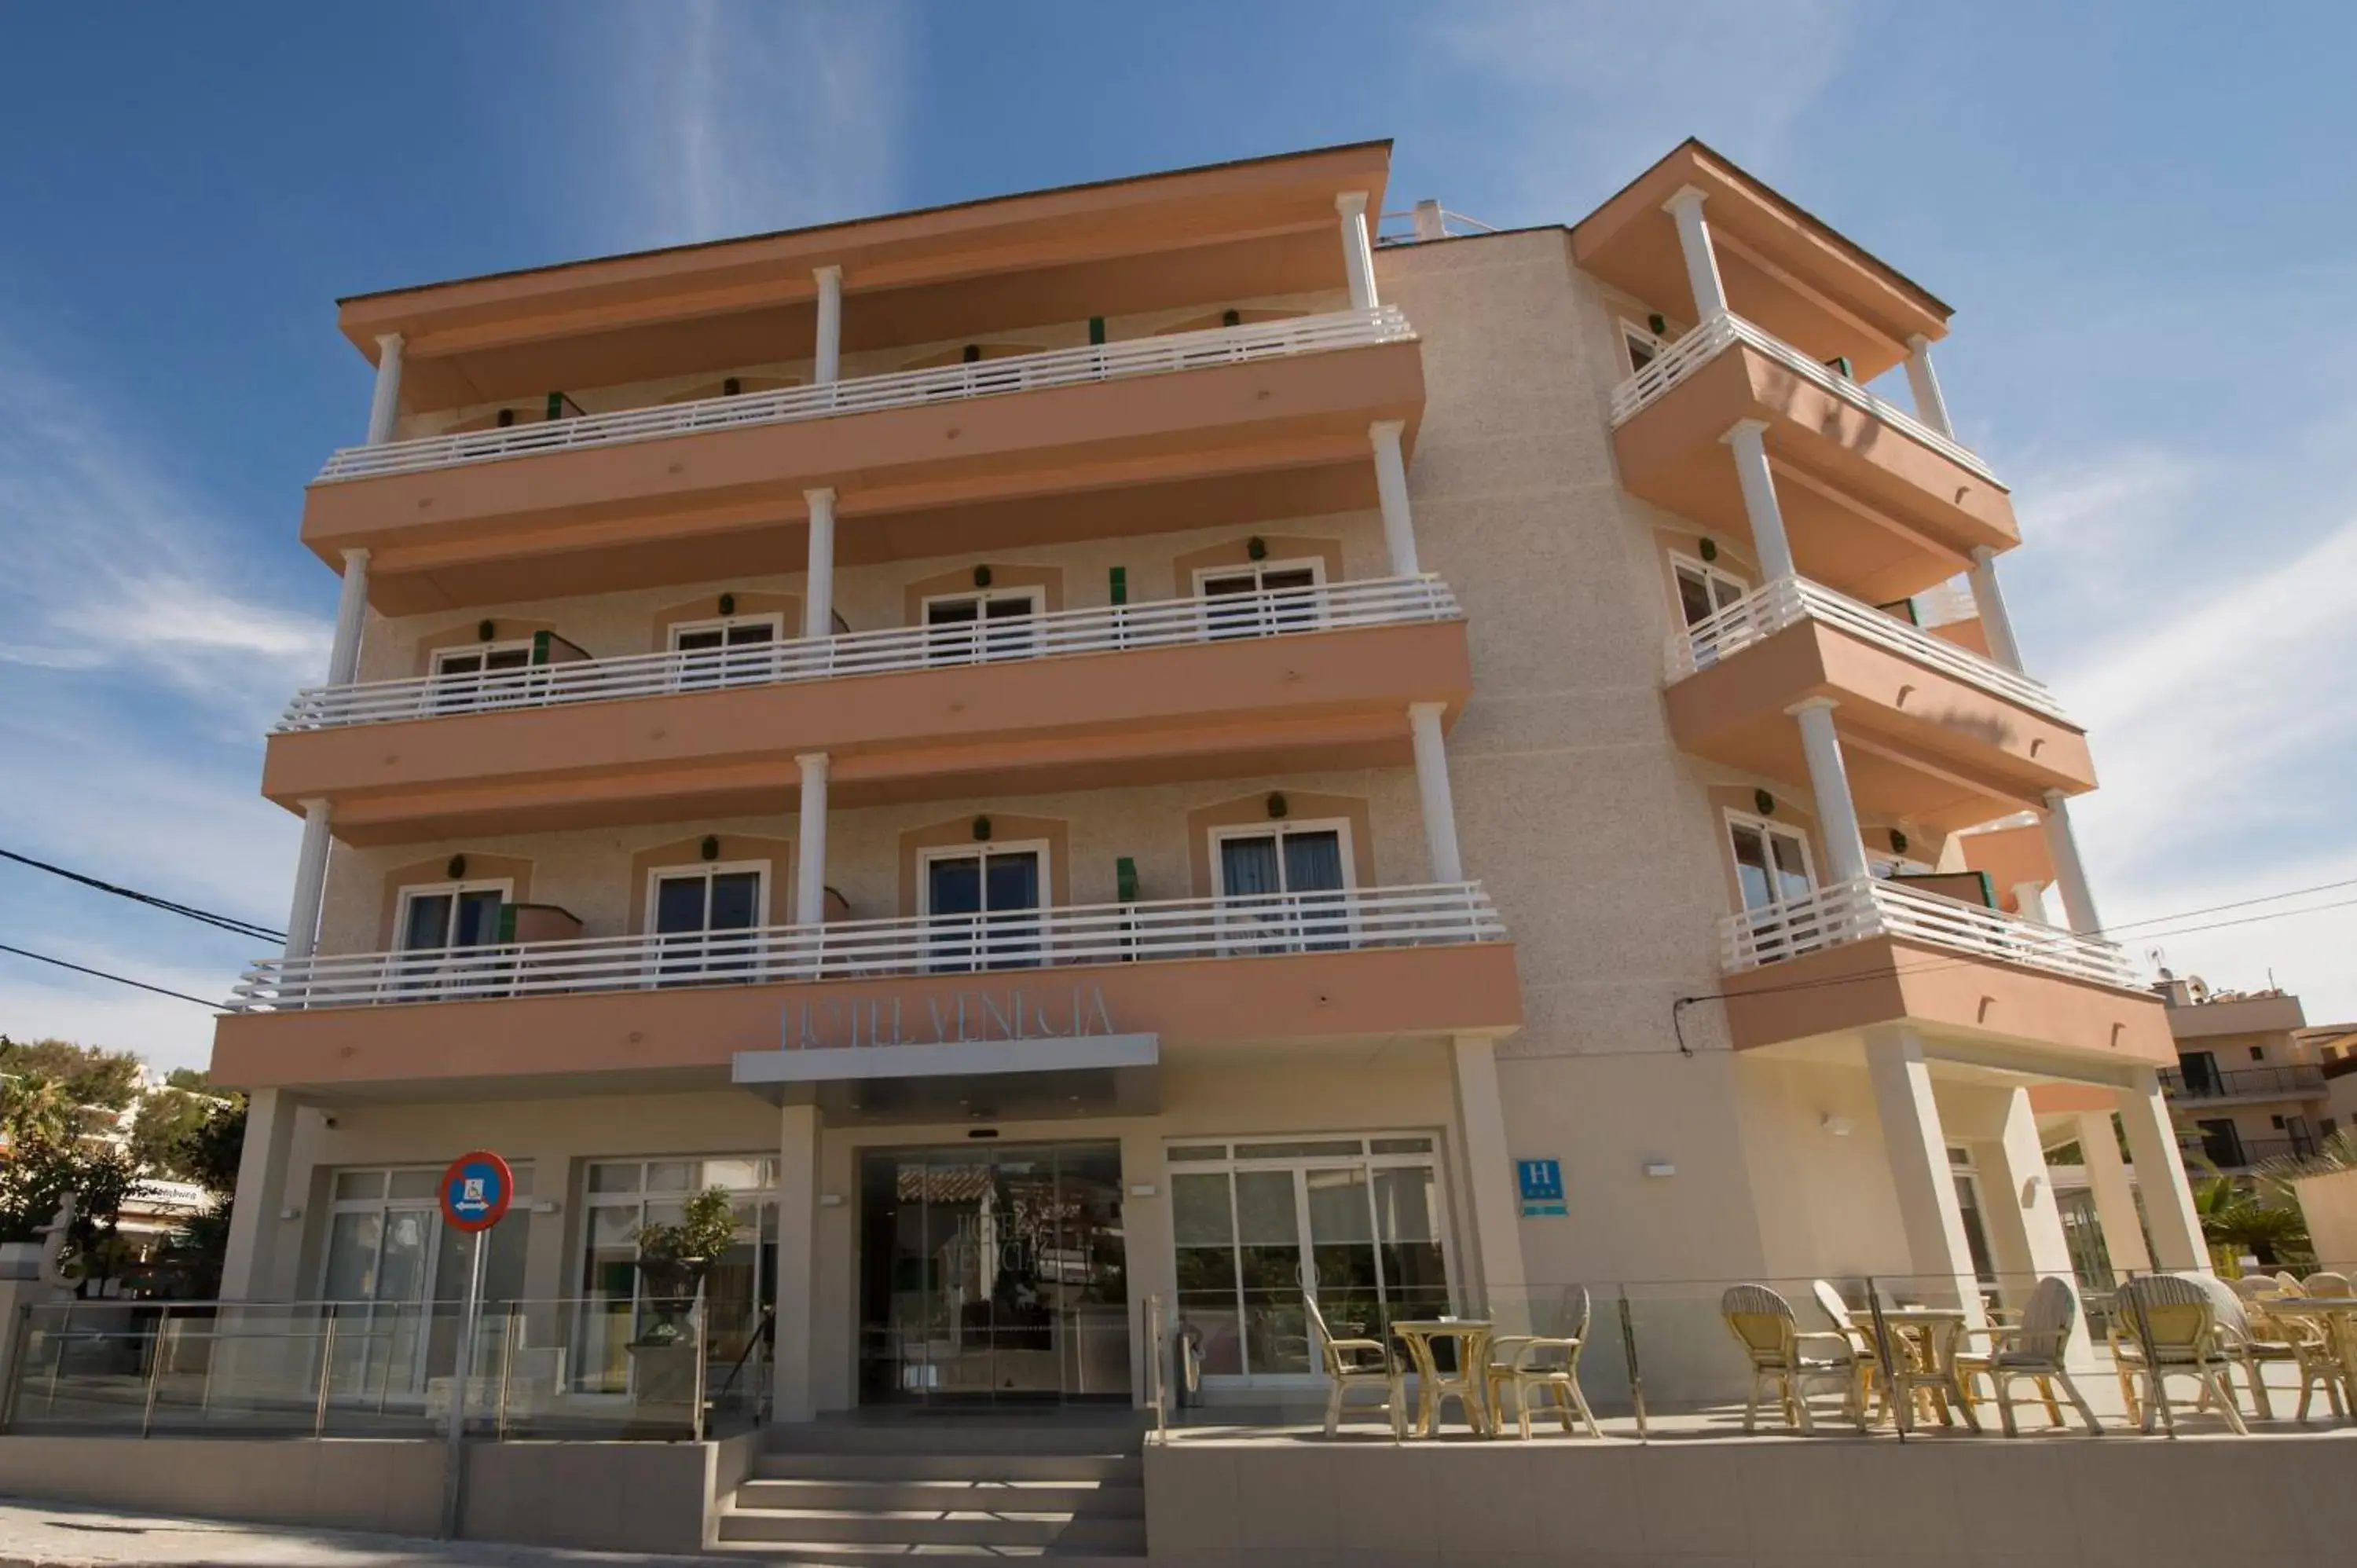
734 119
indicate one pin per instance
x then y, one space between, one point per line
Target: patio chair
2327 1283
2253 1338
1540 1363
2255 1288
2288 1284
1763 1323
1861 1345
2166 1325
2032 1349
1347 1367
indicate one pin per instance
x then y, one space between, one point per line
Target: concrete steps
854 1493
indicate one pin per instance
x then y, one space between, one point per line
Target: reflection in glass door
993 1274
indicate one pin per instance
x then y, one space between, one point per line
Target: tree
167 1120
2234 1217
91 1075
189 1078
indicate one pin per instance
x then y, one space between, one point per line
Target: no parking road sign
476 1191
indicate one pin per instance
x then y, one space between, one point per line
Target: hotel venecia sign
995 1012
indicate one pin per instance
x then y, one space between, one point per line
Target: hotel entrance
993 1274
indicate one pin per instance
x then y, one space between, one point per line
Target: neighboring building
2249 1085
1113 744
2334 1047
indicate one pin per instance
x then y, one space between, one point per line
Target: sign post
476 1191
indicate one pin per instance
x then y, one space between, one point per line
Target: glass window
982 908
1772 863
626 1195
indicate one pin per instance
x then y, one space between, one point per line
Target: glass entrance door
993 1274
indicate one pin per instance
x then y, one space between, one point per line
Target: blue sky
2142 212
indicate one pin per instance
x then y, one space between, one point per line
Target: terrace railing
1867 907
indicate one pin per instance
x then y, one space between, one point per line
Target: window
2200 1071
989 623
1704 590
445 934
1772 863
981 905
1642 345
620 1198
1260 599
481 674
730 647
2222 1143
705 920
2258 1053
1285 887
1361 1220
1968 1201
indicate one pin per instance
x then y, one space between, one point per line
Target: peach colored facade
1144 671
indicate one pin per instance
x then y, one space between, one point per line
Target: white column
1990 600
794 1350
1921 1176
1929 406
1489 1166
2070 871
1702 260
2018 1195
2115 1207
827 364
1390 494
1432 791
310 882
2161 1175
1358 248
352 619
1747 440
818 586
384 404
810 849
250 1258
1829 783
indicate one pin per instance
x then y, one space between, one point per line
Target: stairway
855 1493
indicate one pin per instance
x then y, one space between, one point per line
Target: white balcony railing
1867 909
1702 344
1269 925
906 388
1765 611
1167 623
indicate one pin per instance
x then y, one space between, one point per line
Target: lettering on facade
1014 1013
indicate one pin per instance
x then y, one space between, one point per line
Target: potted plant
673 1262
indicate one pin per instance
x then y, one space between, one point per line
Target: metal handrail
1868 908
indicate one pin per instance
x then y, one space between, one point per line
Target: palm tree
2235 1218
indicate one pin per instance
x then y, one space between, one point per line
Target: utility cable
230 923
119 980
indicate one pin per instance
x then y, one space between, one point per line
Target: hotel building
1135 742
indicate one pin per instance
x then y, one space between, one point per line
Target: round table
2338 1314
1922 1359
1471 1338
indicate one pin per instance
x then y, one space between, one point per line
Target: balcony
1853 954
1092 698
1228 425
1931 732
1875 501
1369 962
2299 1080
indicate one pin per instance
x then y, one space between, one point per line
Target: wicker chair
1861 1348
2327 1283
1347 1367
2253 1338
1763 1323
1540 1363
2032 1349
2166 1325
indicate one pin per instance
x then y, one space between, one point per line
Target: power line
2237 904
119 980
230 923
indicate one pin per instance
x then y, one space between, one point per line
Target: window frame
954 643
1713 575
1733 819
677 958
974 960
774 619
1631 333
1285 928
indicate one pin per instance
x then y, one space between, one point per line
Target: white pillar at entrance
1988 600
794 1393
384 403
2019 1196
2115 1194
818 585
1432 796
352 619
1358 248
1390 494
2070 871
1488 1163
810 848
827 363
1701 258
1921 1176
250 1258
2161 1175
1747 439
1929 406
310 882
1829 782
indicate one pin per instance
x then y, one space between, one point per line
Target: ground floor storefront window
620 1198
1359 1220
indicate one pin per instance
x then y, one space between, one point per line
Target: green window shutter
1124 877
540 647
507 922
557 405
1121 584
1096 330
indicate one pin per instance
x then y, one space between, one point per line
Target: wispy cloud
737 118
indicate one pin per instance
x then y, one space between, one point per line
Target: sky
2142 212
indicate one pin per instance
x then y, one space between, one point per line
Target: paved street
39 1535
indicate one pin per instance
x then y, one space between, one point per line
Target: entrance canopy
1020 1079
